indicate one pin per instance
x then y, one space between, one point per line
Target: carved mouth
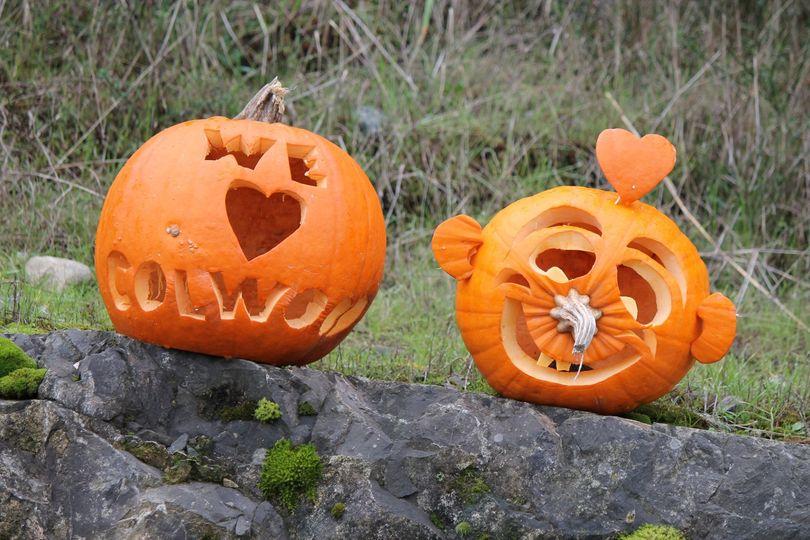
527 356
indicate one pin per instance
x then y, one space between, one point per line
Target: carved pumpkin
240 238
569 298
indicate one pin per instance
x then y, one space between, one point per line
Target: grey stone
407 461
370 120
56 272
179 444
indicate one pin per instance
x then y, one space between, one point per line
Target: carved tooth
214 138
234 145
630 305
544 360
563 366
556 274
265 144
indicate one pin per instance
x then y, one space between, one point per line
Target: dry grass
484 102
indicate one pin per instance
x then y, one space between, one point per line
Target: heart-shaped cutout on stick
259 222
633 165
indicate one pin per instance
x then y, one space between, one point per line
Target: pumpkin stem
267 105
575 315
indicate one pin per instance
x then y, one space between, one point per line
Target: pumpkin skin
240 238
578 238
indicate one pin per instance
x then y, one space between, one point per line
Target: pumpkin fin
633 165
718 319
455 241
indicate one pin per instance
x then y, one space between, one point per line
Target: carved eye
564 255
665 257
561 239
643 286
646 290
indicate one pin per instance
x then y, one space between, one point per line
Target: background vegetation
482 103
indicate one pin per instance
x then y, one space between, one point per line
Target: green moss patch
186 469
337 510
267 411
226 403
305 408
290 472
21 383
470 486
437 521
13 358
665 412
150 452
654 532
241 411
464 528
638 417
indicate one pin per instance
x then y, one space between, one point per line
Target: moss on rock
463 528
241 411
305 408
290 472
177 472
267 411
664 412
655 532
150 452
202 444
13 358
470 486
21 383
337 510
186 469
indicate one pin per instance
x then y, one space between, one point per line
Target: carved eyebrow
561 215
303 160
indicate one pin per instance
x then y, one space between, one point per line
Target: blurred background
450 107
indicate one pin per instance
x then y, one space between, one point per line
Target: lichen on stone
267 411
290 472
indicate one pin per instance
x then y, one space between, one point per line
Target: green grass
504 102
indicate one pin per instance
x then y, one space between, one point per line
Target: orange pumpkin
568 298
240 238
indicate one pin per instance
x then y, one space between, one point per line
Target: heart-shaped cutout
633 165
259 222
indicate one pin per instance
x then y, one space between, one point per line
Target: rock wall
91 458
